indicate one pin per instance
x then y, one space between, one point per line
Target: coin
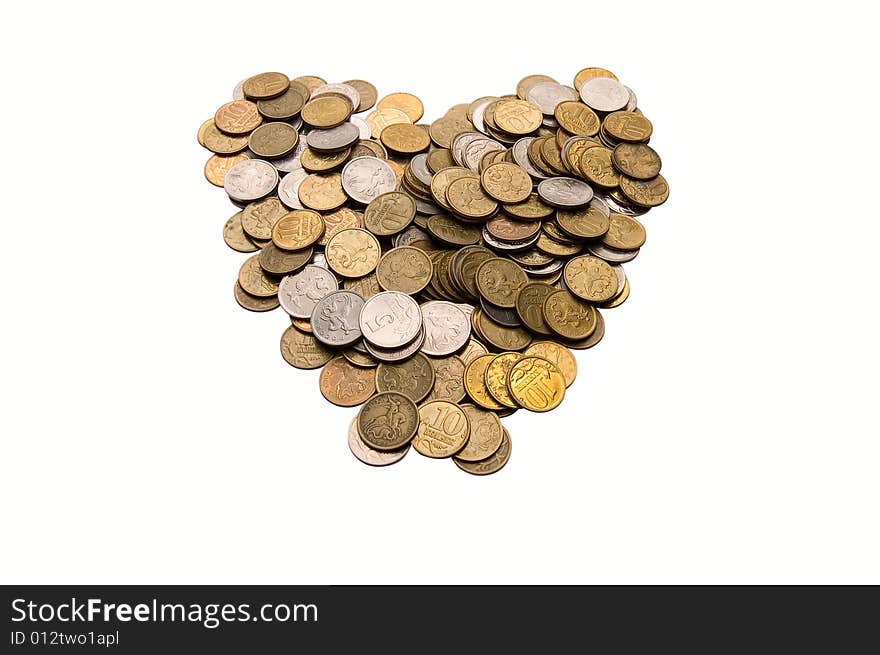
235 237
475 382
624 233
381 118
326 111
506 182
619 299
366 92
390 319
254 303
447 328
595 164
369 455
506 229
346 385
492 464
405 269
218 142
604 94
589 73
283 262
364 178
559 355
414 378
526 83
238 117
405 138
569 316
273 140
486 434
576 118
334 319
645 193
353 253
530 306
448 379
333 139
250 179
367 286
565 192
388 420
255 280
590 278
536 384
299 293
443 429
498 280
285 106
496 380
311 82
516 116
588 222
636 160
218 165
322 192
452 232
389 213
297 229
288 189
335 222
313 161
405 102
301 350
358 358
467 198
628 126
345 90
392 355
265 85
546 95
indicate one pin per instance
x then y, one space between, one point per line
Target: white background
724 431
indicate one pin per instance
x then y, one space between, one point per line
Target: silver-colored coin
392 355
288 188
335 139
462 141
509 246
238 91
478 113
546 95
297 123
364 178
368 454
549 121
501 315
427 208
633 102
474 151
419 166
318 259
390 320
447 328
299 293
565 192
467 308
621 278
250 179
341 89
363 129
520 151
410 235
290 162
620 208
604 94
335 318
545 269
612 255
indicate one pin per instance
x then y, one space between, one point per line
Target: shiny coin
335 222
390 320
569 316
624 233
238 117
628 126
516 116
259 217
471 351
536 384
353 253
590 278
365 178
218 142
565 192
334 139
443 429
301 350
235 237
475 382
589 73
453 232
322 192
346 90
379 119
283 262
392 355
367 286
388 421
496 381
405 102
255 281
546 95
265 85
498 280
297 229
300 293
589 222
250 179
526 83
346 385
530 306
325 112
596 166
466 197
367 94
405 138
288 189
576 118
506 229
604 94
447 328
313 161
311 82
286 106
369 455
254 303
414 378
636 160
486 434
448 379
645 193
273 140
389 213
506 182
218 165
559 355
611 255
405 269
334 319
491 464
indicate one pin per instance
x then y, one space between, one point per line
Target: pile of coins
438 274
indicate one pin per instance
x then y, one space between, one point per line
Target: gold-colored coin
367 93
217 166
405 102
475 382
405 138
569 316
573 150
500 336
453 232
645 193
506 182
551 155
311 82
525 84
286 106
518 117
498 281
259 217
443 429
273 140
439 159
444 130
388 420
200 135
322 162
265 85
590 278
440 183
486 434
341 219
367 286
368 148
389 213
302 350
254 303
530 209
472 349
448 379
414 377
589 73
559 355
596 166
297 229
530 306
496 380
301 324
255 280
492 464
508 229
555 248
628 126
353 253
578 119
466 197
346 385
381 118
624 233
637 160
322 192
238 117
276 261
619 299
536 384
359 359
405 269
326 111
222 144
589 222
234 236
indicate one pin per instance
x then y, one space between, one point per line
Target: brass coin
254 303
496 380
530 306
573 150
624 233
444 130
536 384
217 166
359 359
405 102
590 278
265 85
222 144
326 111
498 281
368 148
628 126
466 197
367 286
238 117
283 262
597 168
353 253
302 324
575 117
322 192
501 336
255 280
525 84
589 73
555 248
302 350
346 385
439 159
569 316
334 222
551 155
405 138
369 455
443 429
506 182
286 106
389 213
507 229
619 299
559 355
448 379
589 222
441 181
636 160
273 140
492 464
453 232
200 135
475 382
486 434
388 420
367 93
321 162
311 82
405 269
518 117
380 118
259 217
472 349
234 236
645 193
530 209
297 229
414 377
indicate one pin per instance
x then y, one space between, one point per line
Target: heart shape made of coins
439 274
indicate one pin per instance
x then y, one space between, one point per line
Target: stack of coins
439 275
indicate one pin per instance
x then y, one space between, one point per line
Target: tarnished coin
297 229
516 116
559 355
335 222
359 358
447 328
472 350
301 350
624 233
596 166
589 73
265 85
364 178
529 210
347 385
283 262
414 378
507 229
254 280
443 429
452 232
273 140
628 126
492 464
388 421
333 139
405 269
405 138
389 213
327 111
322 192
335 317
367 286
313 161
636 160
645 193
286 106
250 179
475 382
498 280
604 94
466 197
496 380
353 253
254 303
235 237
506 182
218 142
405 102
238 117
590 278
259 217
390 320
576 118
218 165
589 222
448 379
501 337
565 192
300 293
369 455
366 93
536 384
380 118
486 434
530 306
569 316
